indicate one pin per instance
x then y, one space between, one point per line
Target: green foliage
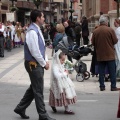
12 9
71 10
68 64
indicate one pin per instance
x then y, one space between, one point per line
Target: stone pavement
12 71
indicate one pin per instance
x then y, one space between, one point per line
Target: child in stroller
67 46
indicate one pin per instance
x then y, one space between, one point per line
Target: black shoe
102 88
115 89
22 114
1 55
54 109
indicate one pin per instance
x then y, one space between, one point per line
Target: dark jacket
70 32
104 39
85 31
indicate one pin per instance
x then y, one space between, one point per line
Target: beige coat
104 39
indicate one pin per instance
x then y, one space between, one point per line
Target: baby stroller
69 48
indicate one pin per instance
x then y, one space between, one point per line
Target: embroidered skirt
63 101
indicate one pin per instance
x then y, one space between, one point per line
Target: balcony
25 5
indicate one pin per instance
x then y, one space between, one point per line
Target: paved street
92 104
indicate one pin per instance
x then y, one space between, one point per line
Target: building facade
4 8
92 9
54 10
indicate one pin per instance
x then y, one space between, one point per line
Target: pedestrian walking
104 39
85 30
62 91
1 40
35 62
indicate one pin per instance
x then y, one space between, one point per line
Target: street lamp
37 2
71 10
117 1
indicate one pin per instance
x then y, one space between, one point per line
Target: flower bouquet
69 66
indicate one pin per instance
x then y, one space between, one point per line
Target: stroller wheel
87 75
80 77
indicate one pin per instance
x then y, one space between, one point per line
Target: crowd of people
12 35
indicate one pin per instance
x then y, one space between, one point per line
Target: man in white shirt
35 62
1 40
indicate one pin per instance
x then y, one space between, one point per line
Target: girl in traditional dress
62 91
17 35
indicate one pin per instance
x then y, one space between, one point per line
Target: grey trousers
35 91
1 46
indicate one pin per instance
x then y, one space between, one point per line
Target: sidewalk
12 71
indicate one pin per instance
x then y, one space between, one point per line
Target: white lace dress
62 91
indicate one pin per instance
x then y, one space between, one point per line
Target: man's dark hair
34 14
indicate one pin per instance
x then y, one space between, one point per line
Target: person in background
17 38
104 39
2 28
8 37
22 36
85 30
52 31
70 33
78 33
12 27
59 35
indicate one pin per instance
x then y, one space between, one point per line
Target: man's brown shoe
115 89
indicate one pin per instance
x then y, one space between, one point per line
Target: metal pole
71 10
12 3
117 9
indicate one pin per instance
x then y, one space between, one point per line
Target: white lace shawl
59 80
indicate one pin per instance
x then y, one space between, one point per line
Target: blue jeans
112 72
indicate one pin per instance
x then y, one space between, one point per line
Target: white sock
66 108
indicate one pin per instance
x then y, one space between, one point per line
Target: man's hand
47 66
